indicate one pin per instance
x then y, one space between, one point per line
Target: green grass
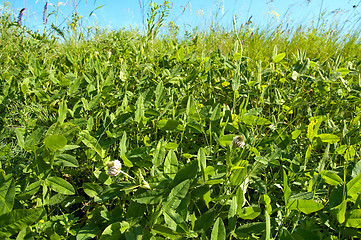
168 108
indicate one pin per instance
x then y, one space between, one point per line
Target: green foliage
168 109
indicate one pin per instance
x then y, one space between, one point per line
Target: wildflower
225 84
114 168
45 19
20 16
238 141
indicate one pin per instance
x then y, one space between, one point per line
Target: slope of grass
168 109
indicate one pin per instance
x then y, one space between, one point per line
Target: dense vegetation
168 108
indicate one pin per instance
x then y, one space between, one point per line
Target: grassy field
221 134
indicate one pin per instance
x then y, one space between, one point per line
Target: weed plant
222 134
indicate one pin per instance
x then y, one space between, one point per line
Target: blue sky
187 14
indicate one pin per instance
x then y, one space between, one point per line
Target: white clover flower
238 141
114 168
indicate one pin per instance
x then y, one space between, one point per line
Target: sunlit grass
129 132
